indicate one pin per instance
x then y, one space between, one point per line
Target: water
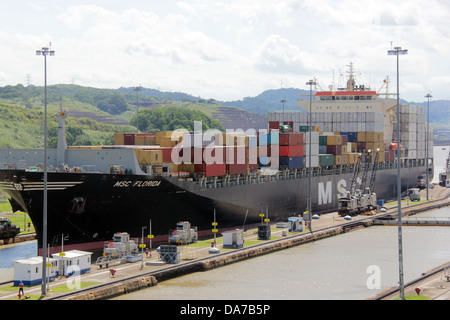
333 269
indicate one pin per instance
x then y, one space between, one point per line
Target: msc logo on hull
325 191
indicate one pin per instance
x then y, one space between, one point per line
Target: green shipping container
326 160
322 140
305 128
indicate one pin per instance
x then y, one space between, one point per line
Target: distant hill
270 101
118 106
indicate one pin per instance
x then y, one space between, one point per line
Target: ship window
344 98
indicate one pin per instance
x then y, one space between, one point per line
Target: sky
228 49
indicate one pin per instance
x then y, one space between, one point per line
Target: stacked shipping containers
413 132
291 150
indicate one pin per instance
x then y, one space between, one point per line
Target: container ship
166 177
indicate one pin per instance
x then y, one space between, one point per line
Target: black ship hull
90 208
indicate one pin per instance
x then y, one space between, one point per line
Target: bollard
113 272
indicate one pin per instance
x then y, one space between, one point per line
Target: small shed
295 224
29 270
233 239
73 262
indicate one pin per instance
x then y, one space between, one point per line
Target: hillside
116 107
270 101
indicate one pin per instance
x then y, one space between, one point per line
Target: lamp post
397 51
310 83
429 96
283 101
45 52
137 89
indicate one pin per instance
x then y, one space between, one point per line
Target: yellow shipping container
340 159
352 157
167 142
374 146
149 156
119 139
334 140
139 140
374 136
186 167
344 149
361 137
149 140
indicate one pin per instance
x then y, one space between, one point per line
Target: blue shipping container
292 162
274 138
263 139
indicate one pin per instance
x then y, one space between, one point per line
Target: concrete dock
103 284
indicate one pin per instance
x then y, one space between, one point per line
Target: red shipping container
252 167
166 153
344 139
211 170
291 151
389 156
289 123
360 146
128 139
237 168
336 150
291 139
274 125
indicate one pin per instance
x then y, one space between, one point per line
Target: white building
233 239
29 271
73 262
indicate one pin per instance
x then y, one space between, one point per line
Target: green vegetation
94 115
413 298
172 118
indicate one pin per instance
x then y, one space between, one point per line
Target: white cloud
227 49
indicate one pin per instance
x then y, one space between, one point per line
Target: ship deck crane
348 203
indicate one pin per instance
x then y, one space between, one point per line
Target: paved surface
433 287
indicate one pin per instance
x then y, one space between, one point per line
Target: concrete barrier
117 289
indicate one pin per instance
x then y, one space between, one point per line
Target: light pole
137 89
429 96
45 52
283 101
310 83
397 52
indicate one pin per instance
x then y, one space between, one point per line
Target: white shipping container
421 119
314 149
421 145
314 135
421 110
409 135
314 161
361 117
409 144
412 154
361 127
421 128
328 126
421 136
420 154
378 117
353 127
